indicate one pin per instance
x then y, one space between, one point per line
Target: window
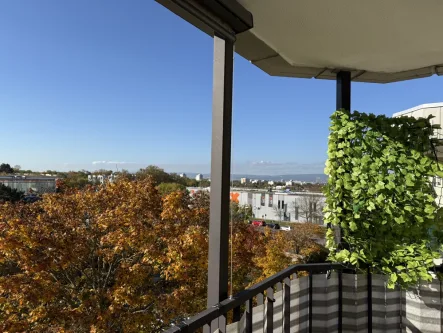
296 213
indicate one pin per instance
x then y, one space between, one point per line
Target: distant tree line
307 187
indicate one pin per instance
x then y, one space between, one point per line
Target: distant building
30 184
280 207
271 182
199 177
101 179
255 181
244 180
289 183
183 175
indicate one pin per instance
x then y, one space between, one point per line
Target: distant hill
310 178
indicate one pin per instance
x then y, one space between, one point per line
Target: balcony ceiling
378 40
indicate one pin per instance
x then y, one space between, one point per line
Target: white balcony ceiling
378 40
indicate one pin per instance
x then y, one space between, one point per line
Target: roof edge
418 107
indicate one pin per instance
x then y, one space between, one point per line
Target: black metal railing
263 293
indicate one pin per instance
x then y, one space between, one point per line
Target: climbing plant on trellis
379 194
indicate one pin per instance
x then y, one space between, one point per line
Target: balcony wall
416 310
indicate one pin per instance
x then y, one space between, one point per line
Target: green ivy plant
379 194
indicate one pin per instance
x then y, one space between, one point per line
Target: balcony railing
331 298
264 294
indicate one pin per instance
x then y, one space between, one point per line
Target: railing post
236 315
340 302
220 174
369 283
260 299
310 303
286 305
270 310
248 317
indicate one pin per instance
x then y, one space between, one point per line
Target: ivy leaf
399 220
353 226
371 206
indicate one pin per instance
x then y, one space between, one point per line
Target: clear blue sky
128 81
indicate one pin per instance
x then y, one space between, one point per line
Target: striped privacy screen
363 309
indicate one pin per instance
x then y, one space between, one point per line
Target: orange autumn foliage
119 258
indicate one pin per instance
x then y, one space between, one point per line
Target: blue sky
130 83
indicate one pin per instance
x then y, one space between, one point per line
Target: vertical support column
220 174
344 90
343 102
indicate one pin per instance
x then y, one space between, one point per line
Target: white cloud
263 163
111 162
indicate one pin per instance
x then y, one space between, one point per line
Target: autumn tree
304 239
100 172
119 258
309 207
158 175
240 213
6 168
279 211
272 254
9 194
76 180
167 188
81 261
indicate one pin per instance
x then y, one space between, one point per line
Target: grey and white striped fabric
416 310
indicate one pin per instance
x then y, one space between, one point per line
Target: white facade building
244 180
183 175
271 182
30 184
289 207
279 206
101 179
423 111
199 177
